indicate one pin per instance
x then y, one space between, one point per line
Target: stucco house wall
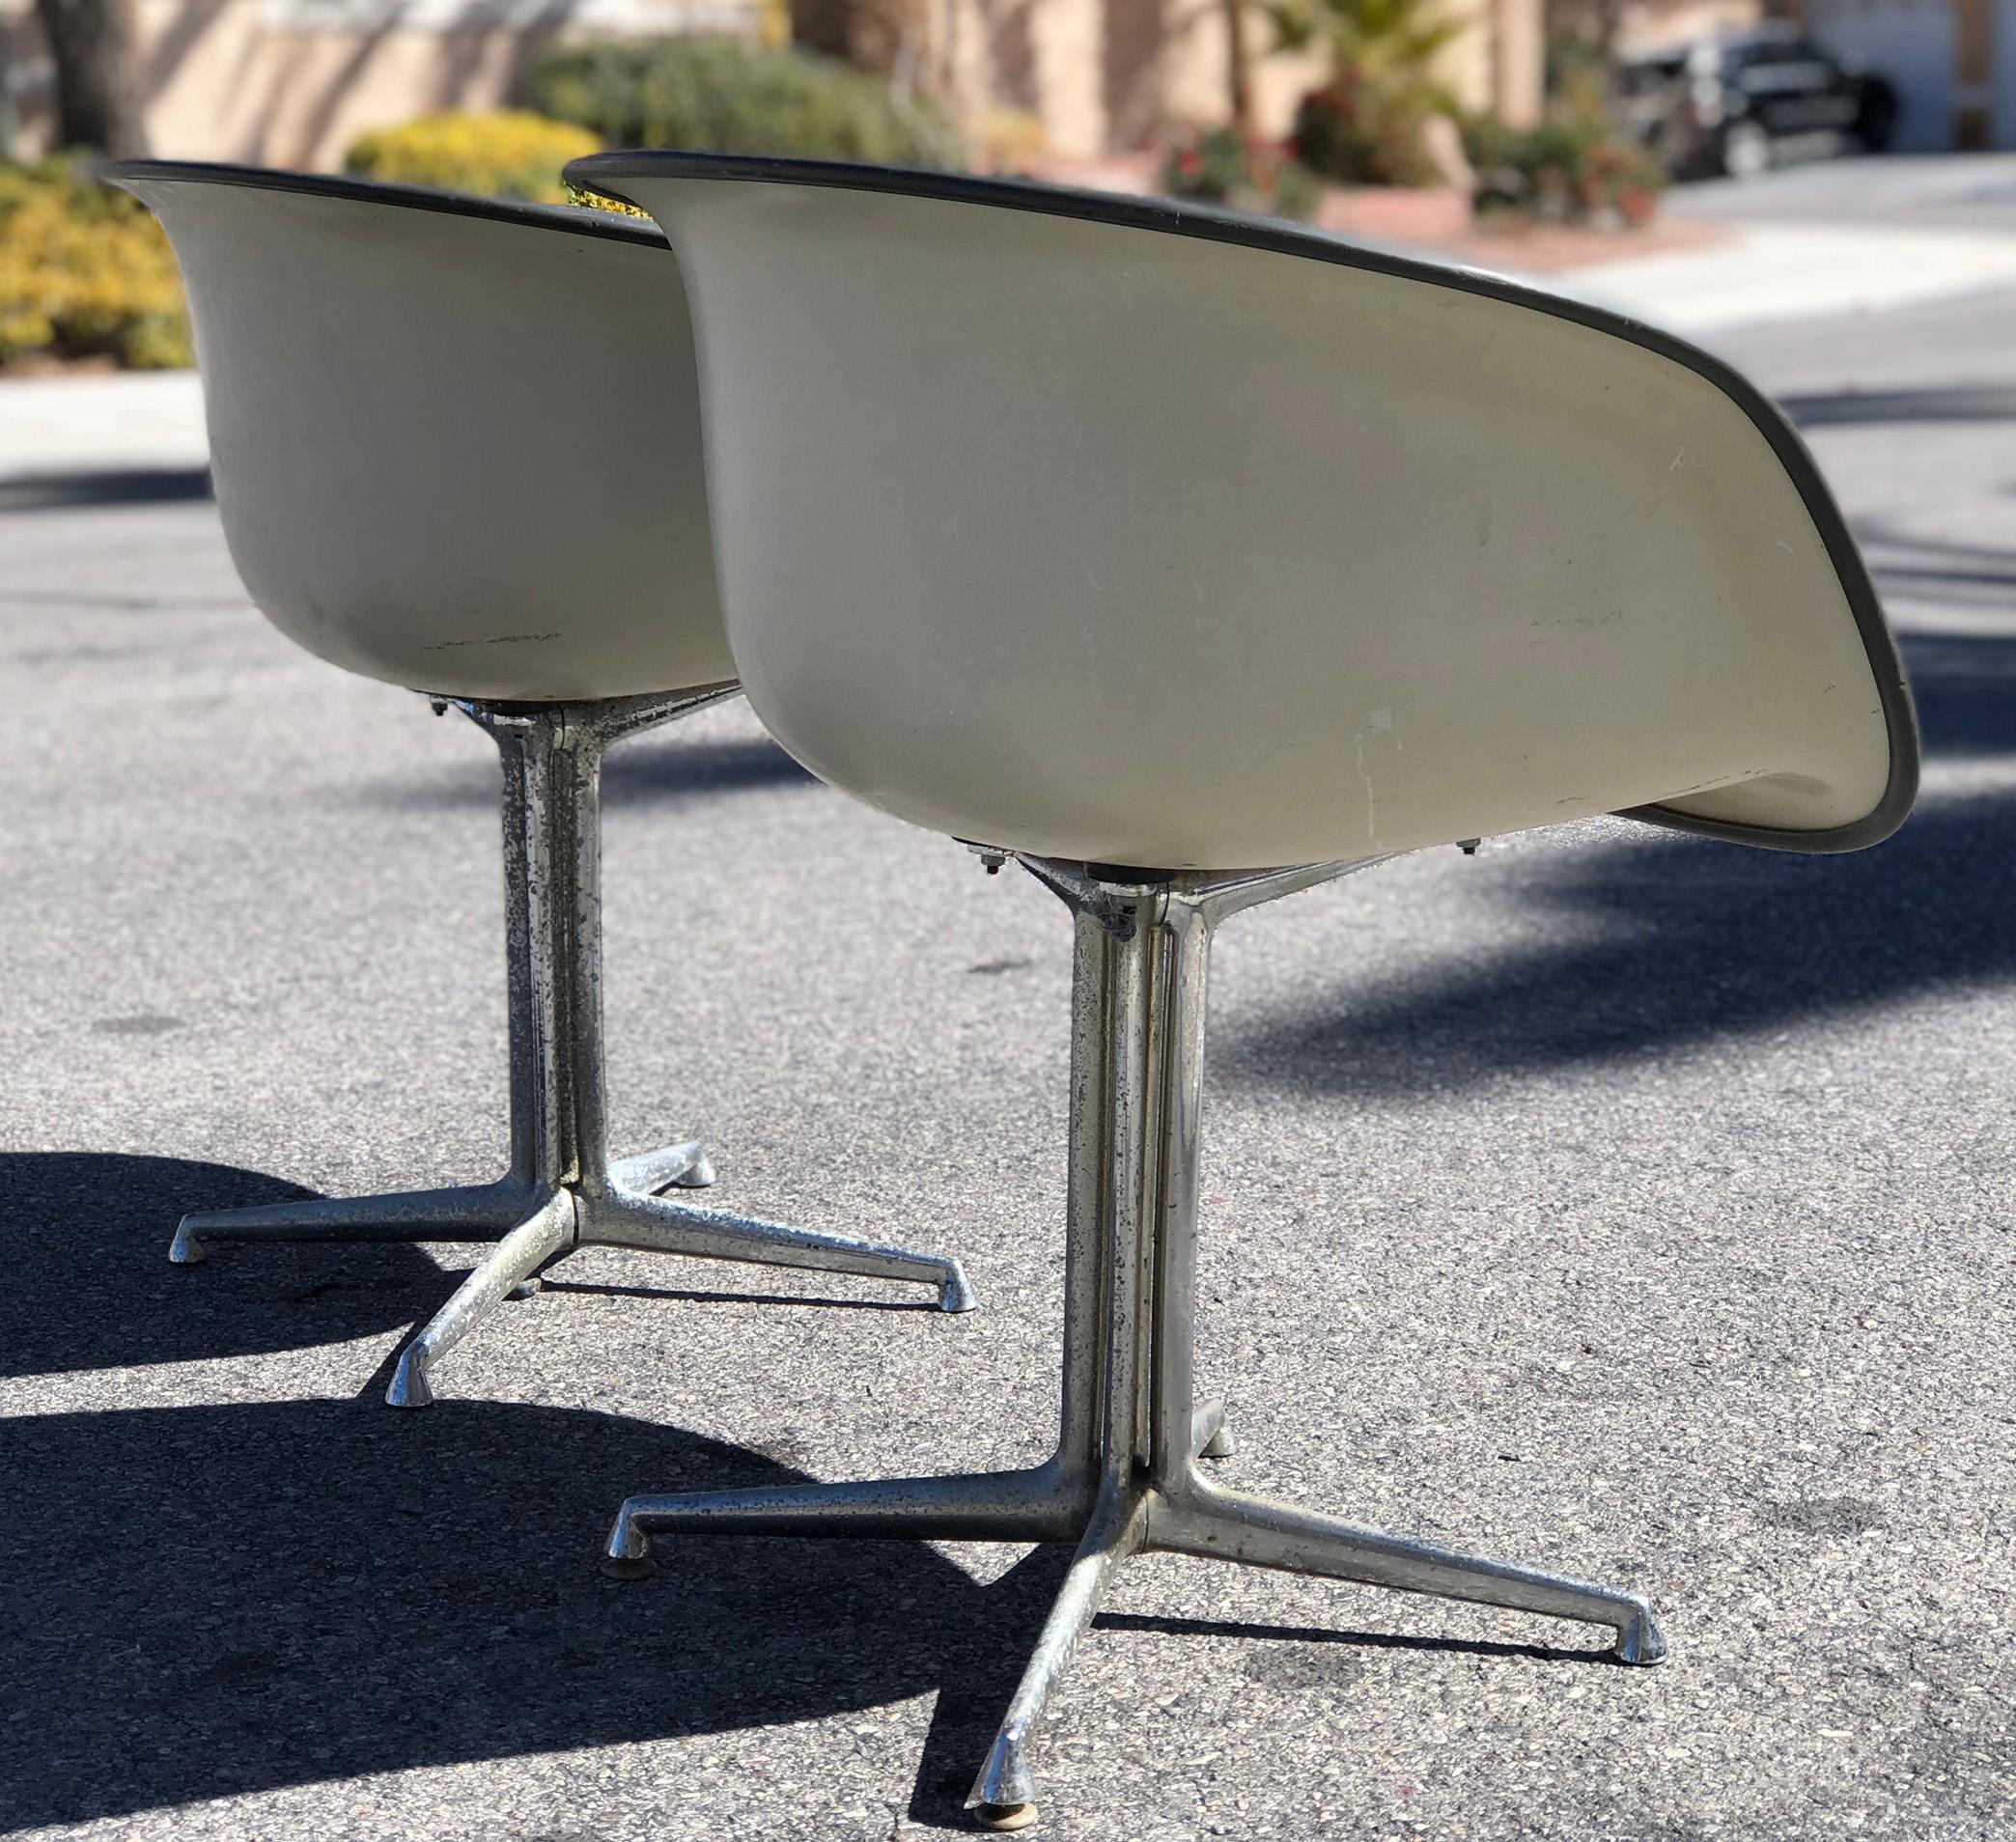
295 82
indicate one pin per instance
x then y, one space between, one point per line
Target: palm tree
1383 40
1368 122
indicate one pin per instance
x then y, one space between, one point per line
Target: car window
1650 74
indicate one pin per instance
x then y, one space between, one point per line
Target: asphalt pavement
1618 1202
1967 192
1825 238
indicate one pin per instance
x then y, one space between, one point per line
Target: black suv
1742 102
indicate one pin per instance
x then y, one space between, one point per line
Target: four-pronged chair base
533 1231
1128 1476
1112 1521
564 1191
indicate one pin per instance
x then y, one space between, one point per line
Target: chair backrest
455 443
1133 533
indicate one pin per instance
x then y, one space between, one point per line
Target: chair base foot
185 1250
1048 1503
1211 1432
1005 1818
409 1386
631 1568
1640 1643
683 1166
615 1217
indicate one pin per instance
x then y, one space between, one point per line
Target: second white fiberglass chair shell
410 395
1151 546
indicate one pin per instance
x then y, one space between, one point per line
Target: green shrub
1571 169
85 271
1367 123
1221 166
1360 129
724 95
504 154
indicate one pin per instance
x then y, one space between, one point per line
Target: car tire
1746 151
1876 122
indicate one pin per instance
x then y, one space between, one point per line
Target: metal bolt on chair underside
1125 1478
561 1191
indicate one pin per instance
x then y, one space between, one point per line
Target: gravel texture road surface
1614 1201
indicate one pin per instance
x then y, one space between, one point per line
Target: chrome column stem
1186 939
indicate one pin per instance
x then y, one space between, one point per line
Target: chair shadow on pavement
216 1600
1657 942
127 486
227 1599
212 1601
90 1286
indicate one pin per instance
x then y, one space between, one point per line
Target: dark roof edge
581 220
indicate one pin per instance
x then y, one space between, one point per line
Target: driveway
1615 1201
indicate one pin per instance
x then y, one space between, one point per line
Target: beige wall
295 82
227 85
1103 74
1650 25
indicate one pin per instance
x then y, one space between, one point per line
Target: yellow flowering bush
601 202
85 271
506 154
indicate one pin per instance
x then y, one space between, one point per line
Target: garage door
1911 42
2003 51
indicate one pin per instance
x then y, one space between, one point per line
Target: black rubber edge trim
580 220
602 171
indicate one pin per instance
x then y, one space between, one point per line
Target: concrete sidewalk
127 422
1796 271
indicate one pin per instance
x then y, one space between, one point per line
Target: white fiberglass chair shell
410 396
1193 561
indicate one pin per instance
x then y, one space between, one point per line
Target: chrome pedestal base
563 1191
1127 1477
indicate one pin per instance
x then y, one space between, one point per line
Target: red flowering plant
1577 165
1246 171
1565 170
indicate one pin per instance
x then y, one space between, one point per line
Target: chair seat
1105 530
456 444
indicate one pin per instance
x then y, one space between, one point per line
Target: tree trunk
1239 67
98 80
871 35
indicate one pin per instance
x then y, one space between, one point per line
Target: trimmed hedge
724 96
504 154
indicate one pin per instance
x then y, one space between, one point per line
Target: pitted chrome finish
1125 1477
562 1190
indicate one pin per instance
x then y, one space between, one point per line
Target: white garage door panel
1911 42
2004 122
